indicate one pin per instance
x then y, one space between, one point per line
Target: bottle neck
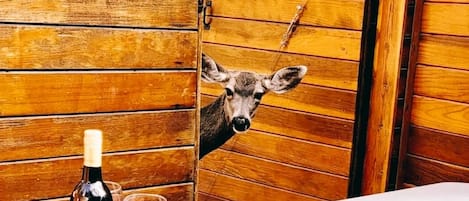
92 174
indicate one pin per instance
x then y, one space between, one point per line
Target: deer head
244 90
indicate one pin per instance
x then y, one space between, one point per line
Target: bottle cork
93 143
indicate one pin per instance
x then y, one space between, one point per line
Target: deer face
244 90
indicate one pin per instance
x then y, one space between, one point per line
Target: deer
231 113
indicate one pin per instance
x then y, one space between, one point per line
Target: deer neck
215 128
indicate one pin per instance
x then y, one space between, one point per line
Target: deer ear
212 72
285 79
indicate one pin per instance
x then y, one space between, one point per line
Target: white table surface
446 191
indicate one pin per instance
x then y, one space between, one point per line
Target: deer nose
241 124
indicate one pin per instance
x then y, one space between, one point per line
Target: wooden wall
438 140
300 142
126 67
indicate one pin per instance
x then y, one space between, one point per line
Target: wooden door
126 67
299 145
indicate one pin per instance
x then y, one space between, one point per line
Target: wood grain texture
335 43
441 115
448 51
321 71
329 13
316 128
275 174
383 98
443 83
84 92
446 18
173 192
232 188
159 13
297 152
49 136
307 98
422 171
449 1
47 47
19 180
439 145
206 197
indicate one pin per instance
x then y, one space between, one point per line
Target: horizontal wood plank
292 151
449 1
236 189
290 123
447 51
321 71
327 13
173 192
446 18
313 99
19 180
46 47
422 171
159 13
87 92
444 83
275 174
206 197
438 145
49 136
441 115
334 43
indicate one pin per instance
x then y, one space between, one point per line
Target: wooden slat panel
442 83
335 43
19 180
421 171
292 151
330 13
319 100
237 189
275 174
448 51
44 137
441 115
438 145
446 18
319 128
321 71
44 47
159 13
173 192
82 92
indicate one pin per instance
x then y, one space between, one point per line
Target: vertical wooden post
383 101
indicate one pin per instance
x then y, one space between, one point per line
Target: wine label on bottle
93 142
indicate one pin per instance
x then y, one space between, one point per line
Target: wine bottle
91 187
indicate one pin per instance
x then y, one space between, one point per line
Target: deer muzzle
241 124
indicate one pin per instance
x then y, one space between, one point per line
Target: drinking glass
144 197
116 190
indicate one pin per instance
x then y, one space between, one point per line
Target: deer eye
258 96
229 92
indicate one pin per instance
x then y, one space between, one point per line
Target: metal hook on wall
206 19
